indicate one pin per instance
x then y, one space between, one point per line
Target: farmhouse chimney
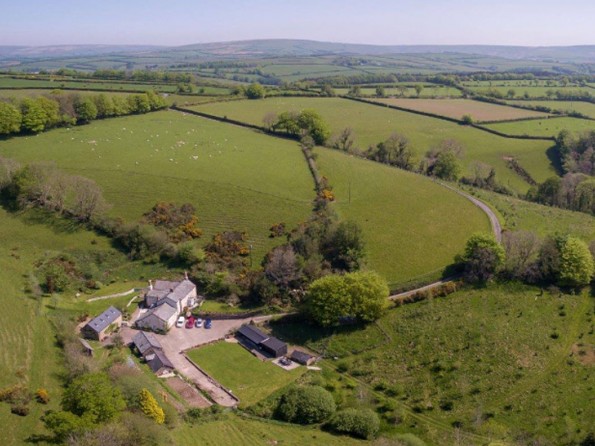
186 275
150 284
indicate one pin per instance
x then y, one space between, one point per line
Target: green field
236 178
499 362
19 83
544 220
408 221
372 124
533 92
586 108
250 379
427 92
239 431
25 93
457 108
543 127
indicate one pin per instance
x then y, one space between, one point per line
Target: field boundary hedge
408 110
506 135
456 121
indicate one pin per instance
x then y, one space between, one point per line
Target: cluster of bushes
299 124
44 186
19 397
34 115
574 191
561 260
576 152
313 404
114 406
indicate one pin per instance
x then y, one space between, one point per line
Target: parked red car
190 322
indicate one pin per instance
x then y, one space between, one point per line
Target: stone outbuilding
103 325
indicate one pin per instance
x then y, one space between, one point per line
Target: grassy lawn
456 108
586 108
543 127
408 221
522 215
237 369
234 430
236 178
372 124
499 362
213 306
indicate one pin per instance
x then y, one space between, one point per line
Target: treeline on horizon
58 109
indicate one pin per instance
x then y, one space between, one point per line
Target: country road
494 222
496 229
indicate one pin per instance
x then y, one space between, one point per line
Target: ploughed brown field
456 108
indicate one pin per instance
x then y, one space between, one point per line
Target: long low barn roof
273 343
252 333
104 320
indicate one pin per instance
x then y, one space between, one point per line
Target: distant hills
399 58
60 51
292 47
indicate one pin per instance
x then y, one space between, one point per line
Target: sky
384 22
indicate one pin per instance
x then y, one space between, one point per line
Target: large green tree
93 397
255 91
85 109
10 118
34 116
306 405
359 295
576 263
483 257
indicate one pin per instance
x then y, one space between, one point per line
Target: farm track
496 229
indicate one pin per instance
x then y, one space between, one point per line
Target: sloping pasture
372 124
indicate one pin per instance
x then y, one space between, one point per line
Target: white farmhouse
166 301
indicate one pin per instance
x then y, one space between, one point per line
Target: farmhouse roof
159 361
159 294
104 320
252 334
145 341
301 357
162 312
181 290
165 285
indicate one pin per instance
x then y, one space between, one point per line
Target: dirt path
110 296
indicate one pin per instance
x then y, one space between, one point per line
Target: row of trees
43 185
34 115
128 75
562 260
574 191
